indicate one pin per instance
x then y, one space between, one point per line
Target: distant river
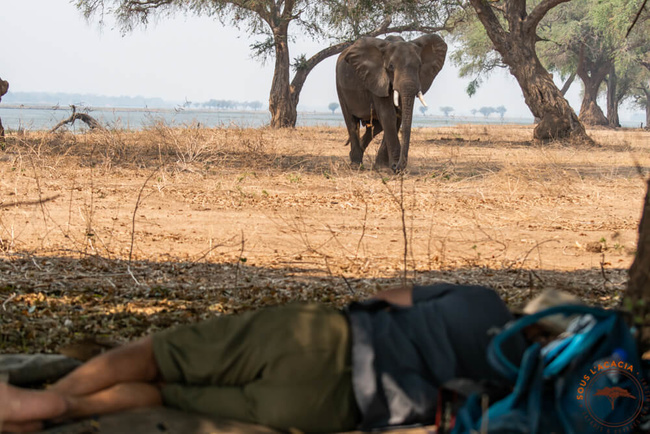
32 118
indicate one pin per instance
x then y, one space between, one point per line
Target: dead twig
4 305
135 211
240 258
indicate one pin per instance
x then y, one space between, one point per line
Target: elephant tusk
396 98
421 98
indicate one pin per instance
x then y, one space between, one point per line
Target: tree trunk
612 99
281 105
590 112
546 102
567 84
637 296
517 48
592 75
647 108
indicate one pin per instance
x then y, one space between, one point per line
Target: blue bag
589 381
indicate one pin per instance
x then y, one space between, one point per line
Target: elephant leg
356 151
2 136
382 155
370 134
389 150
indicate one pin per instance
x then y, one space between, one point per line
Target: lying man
378 363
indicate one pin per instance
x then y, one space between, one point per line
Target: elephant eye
391 67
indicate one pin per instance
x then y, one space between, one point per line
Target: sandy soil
112 234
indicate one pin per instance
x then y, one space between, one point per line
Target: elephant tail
347 143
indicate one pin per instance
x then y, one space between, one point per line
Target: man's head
4 87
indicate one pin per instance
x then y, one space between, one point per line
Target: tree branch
636 18
540 11
491 23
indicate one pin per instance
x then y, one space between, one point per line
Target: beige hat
550 298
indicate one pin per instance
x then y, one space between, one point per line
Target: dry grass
225 220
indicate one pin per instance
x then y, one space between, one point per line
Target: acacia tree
512 28
589 38
628 71
446 110
274 22
574 44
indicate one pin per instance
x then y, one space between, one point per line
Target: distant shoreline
121 109
171 110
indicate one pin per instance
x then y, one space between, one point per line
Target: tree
501 110
256 105
272 22
641 94
638 285
446 110
333 106
423 110
486 111
588 38
512 28
613 393
628 70
574 45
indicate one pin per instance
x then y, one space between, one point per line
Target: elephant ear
4 87
433 53
366 56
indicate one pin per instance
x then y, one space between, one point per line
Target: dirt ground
105 236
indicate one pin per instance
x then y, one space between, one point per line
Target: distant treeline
226 104
65 99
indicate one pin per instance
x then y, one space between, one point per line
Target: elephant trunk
407 118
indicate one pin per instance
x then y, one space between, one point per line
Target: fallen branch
30 202
84 117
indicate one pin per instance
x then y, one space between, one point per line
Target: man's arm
399 295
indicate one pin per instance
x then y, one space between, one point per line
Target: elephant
4 87
377 81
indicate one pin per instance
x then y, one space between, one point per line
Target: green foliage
299 63
333 106
334 20
597 27
595 30
475 55
262 50
473 86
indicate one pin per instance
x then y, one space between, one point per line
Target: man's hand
400 295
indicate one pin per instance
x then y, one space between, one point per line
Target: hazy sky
48 46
